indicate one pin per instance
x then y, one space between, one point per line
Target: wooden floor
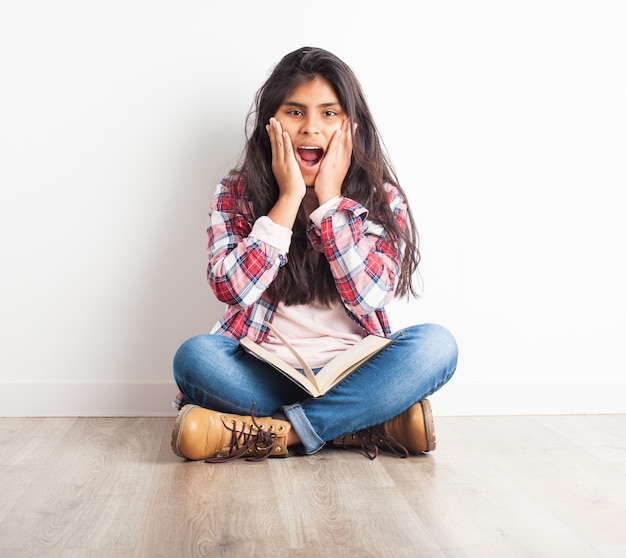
519 486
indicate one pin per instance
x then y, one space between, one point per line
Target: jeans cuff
300 423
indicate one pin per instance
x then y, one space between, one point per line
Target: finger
276 140
287 147
349 130
341 143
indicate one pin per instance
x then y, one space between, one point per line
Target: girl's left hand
335 165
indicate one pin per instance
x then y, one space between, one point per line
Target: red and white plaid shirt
363 260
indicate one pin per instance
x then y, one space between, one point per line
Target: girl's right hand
291 186
284 165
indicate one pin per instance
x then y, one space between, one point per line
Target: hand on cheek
335 165
284 164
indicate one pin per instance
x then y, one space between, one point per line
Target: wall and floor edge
459 398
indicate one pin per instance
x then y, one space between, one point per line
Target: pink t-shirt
318 333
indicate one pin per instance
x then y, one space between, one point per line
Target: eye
294 112
329 113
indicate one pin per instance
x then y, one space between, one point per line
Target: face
311 114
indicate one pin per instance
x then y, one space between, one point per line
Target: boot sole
429 426
178 428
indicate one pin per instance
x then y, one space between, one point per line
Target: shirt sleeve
363 259
264 229
243 258
330 205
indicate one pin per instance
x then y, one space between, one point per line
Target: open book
331 374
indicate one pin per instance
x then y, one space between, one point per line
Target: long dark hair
306 277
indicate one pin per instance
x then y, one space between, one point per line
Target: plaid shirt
362 259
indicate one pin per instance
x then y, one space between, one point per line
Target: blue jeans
214 372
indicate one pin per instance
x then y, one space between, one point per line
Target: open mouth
310 155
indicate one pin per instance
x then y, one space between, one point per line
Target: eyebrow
321 105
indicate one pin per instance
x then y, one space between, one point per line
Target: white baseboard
87 399
458 398
552 396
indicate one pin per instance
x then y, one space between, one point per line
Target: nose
310 125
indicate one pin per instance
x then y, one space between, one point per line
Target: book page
331 374
307 369
346 362
280 365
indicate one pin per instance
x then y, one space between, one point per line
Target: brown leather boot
213 436
412 431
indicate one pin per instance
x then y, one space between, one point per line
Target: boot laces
374 439
251 440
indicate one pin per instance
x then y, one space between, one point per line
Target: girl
313 234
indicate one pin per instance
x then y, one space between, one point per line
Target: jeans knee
203 354
443 343
185 357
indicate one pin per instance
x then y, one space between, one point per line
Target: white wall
505 121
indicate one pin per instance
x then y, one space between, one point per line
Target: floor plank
527 486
